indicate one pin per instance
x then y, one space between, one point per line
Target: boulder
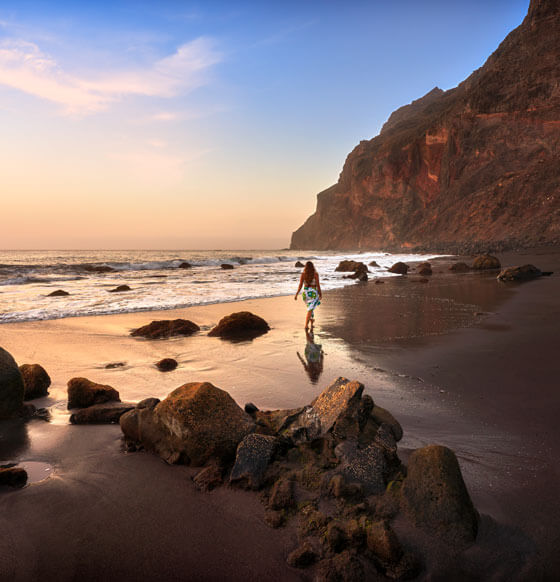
11 476
459 267
435 497
35 381
107 413
424 269
523 273
486 262
195 423
254 453
226 266
240 325
113 365
11 386
364 465
165 328
166 365
299 265
399 268
374 264
382 416
351 266
83 393
120 289
185 265
58 293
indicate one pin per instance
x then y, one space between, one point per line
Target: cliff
475 166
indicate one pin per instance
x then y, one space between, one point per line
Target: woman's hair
309 272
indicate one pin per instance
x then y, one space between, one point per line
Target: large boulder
83 393
11 386
435 497
240 325
107 413
164 328
195 423
486 262
350 266
399 268
523 273
36 381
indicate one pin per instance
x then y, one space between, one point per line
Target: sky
207 125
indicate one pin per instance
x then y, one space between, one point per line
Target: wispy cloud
25 67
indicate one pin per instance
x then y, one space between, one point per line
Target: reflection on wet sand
314 358
14 438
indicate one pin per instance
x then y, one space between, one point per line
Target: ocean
156 279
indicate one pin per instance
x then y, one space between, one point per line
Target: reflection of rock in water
314 358
14 439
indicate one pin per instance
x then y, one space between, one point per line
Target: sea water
156 279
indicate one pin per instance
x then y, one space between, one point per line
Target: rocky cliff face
478 165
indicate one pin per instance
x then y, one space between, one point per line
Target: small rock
282 494
274 518
486 262
11 476
120 289
383 542
254 453
113 365
185 265
98 269
250 408
523 273
335 537
379 282
36 381
108 413
302 557
373 264
83 393
399 268
166 365
226 266
208 478
58 293
459 267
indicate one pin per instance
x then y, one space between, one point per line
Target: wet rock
166 328
98 269
459 267
486 262
254 453
226 266
185 265
366 466
343 567
11 386
350 266
150 403
58 293
113 365
303 556
435 497
250 408
107 413
382 416
399 268
335 537
379 282
374 264
386 439
299 265
240 325
274 518
196 423
36 381
523 273
383 542
83 393
282 494
424 269
120 289
209 478
11 476
166 365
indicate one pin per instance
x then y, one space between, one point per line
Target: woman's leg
308 318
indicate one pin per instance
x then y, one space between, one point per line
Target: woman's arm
300 286
318 285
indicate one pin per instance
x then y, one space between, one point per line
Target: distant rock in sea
58 293
465 169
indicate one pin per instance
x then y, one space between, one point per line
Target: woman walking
312 294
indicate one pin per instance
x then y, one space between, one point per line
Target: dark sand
462 361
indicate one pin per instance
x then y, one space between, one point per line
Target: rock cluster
330 467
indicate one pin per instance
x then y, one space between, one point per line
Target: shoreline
370 333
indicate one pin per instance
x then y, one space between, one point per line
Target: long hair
309 272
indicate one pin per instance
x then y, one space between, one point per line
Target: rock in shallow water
36 381
486 262
166 365
399 268
83 393
107 413
523 273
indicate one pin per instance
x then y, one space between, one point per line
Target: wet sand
462 361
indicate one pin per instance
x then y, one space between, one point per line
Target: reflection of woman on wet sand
312 294
314 357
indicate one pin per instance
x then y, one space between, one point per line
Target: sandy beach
462 361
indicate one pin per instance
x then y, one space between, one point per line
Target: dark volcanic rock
226 266
366 466
36 381
11 386
299 265
13 476
58 293
166 365
120 289
195 423
459 267
434 495
83 393
399 268
107 413
240 325
523 273
254 453
166 328
486 262
350 266
477 163
185 265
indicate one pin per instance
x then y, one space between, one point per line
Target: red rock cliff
478 165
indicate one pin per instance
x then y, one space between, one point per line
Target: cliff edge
478 165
